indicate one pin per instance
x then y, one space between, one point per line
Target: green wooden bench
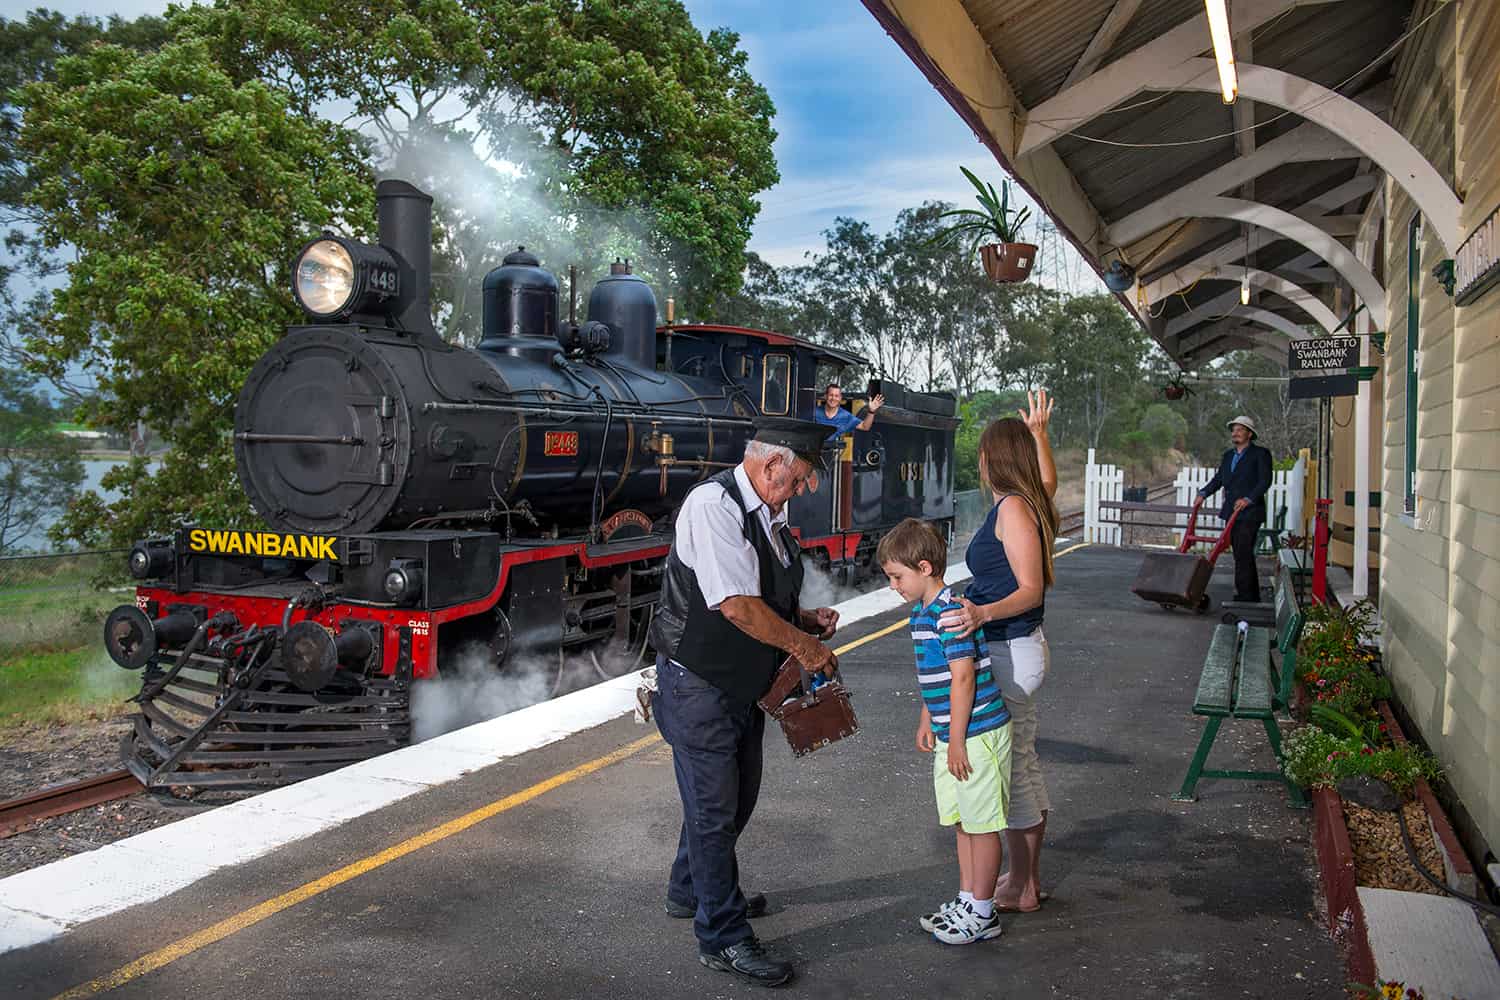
1239 681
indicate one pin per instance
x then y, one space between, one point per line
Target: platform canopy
1109 113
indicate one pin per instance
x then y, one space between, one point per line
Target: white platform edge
45 902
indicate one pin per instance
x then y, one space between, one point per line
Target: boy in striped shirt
971 774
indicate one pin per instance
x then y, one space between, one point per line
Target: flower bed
1348 731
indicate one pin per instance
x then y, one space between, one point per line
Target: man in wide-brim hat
1245 475
728 617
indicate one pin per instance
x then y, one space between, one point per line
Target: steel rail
19 813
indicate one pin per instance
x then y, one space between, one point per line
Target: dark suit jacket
1250 479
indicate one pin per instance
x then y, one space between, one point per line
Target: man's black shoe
755 906
749 961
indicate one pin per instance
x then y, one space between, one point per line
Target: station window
1413 354
775 393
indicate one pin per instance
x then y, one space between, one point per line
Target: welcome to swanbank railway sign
1323 354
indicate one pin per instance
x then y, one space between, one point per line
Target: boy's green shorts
980 801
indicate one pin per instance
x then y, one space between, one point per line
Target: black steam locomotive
426 504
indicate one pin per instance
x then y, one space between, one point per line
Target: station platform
542 874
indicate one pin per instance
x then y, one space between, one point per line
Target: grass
62 685
48 604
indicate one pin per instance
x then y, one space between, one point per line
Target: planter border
1346 915
1457 872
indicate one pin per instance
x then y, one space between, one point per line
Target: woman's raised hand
963 621
1038 412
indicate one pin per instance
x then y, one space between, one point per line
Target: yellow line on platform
846 647
1070 548
247 918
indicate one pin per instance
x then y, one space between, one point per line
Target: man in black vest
1245 474
728 616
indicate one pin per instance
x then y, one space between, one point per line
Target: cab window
776 380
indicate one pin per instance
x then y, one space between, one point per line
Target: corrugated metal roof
1037 41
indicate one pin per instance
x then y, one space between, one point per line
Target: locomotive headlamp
334 278
403 581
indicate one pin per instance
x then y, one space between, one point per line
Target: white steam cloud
470 689
821 590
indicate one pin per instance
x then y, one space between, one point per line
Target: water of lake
93 471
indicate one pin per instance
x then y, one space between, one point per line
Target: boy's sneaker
929 921
963 926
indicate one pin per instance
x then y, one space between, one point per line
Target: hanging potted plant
1005 257
1176 388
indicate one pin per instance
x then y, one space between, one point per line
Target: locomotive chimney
404 217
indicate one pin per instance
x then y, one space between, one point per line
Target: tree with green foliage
179 193
582 129
40 470
975 414
1095 364
769 298
29 53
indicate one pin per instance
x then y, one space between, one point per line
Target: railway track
19 813
1072 520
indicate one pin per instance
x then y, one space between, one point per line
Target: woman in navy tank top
1010 558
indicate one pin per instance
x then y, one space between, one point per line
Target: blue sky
860 131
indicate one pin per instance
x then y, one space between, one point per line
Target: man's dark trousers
717 755
1242 539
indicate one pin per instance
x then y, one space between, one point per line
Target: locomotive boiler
427 505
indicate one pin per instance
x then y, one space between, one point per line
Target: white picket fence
1101 482
1107 482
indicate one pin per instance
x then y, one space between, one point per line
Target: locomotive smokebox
625 304
404 217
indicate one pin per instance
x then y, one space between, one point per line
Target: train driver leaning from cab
833 414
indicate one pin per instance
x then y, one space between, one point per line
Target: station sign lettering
1476 266
263 543
1323 354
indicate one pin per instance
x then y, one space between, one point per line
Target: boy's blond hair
912 541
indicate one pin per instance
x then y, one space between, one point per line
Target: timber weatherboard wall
1472 711
1440 566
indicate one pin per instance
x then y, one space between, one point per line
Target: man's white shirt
710 539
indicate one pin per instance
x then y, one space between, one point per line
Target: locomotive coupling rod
299 438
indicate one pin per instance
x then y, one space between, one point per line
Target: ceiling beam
1303 144
1310 269
1229 304
1275 283
1104 39
1389 149
1232 327
1234 336
1141 69
1301 231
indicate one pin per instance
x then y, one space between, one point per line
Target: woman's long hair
1008 464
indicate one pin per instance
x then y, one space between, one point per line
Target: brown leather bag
810 717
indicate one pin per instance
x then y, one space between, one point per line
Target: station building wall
1440 550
